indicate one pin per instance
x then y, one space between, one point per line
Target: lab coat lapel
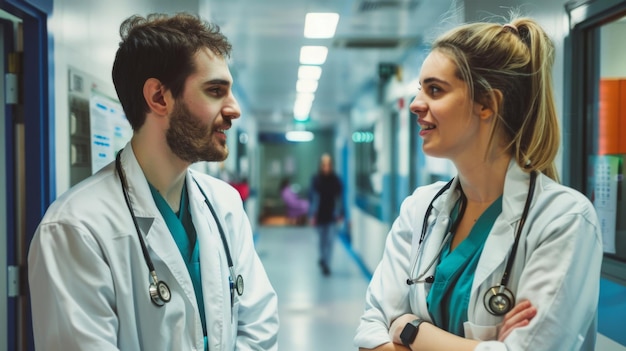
502 236
435 234
157 236
212 259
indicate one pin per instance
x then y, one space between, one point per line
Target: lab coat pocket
480 332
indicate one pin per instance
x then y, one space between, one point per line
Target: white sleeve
257 327
71 290
561 279
387 294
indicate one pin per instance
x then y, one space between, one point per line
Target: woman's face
448 118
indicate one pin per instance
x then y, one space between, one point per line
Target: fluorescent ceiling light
306 86
299 135
309 72
305 97
301 109
313 55
320 25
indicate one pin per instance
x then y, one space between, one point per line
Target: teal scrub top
448 298
184 233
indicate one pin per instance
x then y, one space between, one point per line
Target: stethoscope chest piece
160 293
499 300
239 285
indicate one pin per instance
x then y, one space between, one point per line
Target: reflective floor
316 312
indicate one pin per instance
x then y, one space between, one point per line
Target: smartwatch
409 333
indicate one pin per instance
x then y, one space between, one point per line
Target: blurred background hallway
316 312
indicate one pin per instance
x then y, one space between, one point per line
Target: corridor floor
316 312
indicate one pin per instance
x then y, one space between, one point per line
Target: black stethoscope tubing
159 290
498 299
238 284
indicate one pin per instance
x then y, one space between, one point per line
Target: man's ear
154 93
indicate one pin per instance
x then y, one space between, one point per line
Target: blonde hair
515 59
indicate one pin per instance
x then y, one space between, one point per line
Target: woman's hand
396 327
519 316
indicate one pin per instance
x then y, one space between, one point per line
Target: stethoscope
498 299
159 291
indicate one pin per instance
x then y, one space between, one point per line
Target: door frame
37 99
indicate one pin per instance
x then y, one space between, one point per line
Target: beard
190 139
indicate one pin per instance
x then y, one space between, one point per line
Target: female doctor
503 257
147 254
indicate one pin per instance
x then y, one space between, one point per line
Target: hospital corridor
316 312
227 175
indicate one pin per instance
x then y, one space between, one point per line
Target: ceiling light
301 110
299 135
310 72
306 86
313 55
320 25
308 97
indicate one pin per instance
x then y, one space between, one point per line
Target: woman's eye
434 89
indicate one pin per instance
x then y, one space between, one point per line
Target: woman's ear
490 104
154 93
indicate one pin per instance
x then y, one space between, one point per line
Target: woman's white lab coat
89 280
557 267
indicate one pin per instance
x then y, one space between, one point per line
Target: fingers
519 316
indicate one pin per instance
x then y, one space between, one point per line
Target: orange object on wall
622 116
609 117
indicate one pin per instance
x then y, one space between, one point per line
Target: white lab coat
89 280
557 267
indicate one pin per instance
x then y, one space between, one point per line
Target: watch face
408 334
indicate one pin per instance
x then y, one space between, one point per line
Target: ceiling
267 36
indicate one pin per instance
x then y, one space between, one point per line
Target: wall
612 56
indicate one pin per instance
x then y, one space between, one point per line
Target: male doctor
147 254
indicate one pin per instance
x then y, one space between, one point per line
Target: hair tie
510 28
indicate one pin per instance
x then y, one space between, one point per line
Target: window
598 119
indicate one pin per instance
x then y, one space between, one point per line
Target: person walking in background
502 257
326 208
148 254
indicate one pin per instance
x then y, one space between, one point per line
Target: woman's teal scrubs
449 295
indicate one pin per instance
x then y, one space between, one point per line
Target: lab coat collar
515 192
516 186
138 188
444 203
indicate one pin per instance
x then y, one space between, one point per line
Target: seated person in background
297 208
